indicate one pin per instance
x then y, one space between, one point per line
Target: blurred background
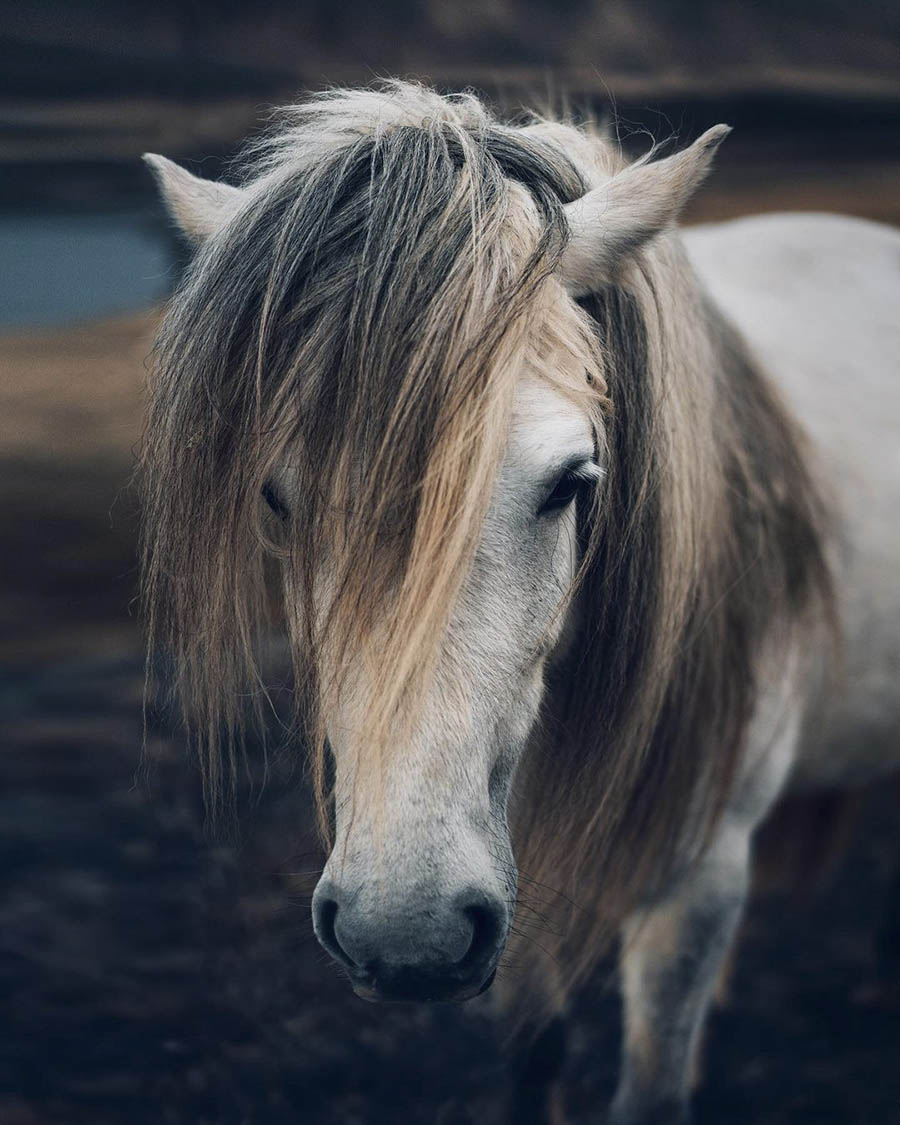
149 974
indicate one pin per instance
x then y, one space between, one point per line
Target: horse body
817 297
791 284
559 563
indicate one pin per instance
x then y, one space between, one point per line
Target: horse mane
712 546
363 319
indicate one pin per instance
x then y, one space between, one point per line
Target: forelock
365 312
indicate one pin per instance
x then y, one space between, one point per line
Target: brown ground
154 977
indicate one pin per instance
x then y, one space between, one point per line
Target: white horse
570 507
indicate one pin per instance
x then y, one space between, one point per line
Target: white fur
484 696
818 298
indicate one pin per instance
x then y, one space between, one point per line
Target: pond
59 269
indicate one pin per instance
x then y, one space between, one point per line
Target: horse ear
612 221
199 207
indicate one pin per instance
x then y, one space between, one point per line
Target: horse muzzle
441 950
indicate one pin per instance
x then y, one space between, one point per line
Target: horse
581 533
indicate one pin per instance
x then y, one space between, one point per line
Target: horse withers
572 511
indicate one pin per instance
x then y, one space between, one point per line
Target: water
61 269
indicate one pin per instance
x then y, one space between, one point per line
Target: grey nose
446 950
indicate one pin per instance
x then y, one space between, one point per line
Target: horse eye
274 501
564 492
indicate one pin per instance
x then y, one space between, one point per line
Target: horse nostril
444 951
324 918
487 919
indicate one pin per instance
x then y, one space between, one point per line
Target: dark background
150 974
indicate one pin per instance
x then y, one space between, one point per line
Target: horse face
417 896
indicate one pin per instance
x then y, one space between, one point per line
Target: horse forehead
547 426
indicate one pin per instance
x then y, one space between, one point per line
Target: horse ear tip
713 137
154 161
162 167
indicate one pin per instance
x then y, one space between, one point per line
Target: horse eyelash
575 476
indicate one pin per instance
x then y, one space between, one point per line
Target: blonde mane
363 319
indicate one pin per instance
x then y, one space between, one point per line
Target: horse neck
743 506
711 541
713 527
